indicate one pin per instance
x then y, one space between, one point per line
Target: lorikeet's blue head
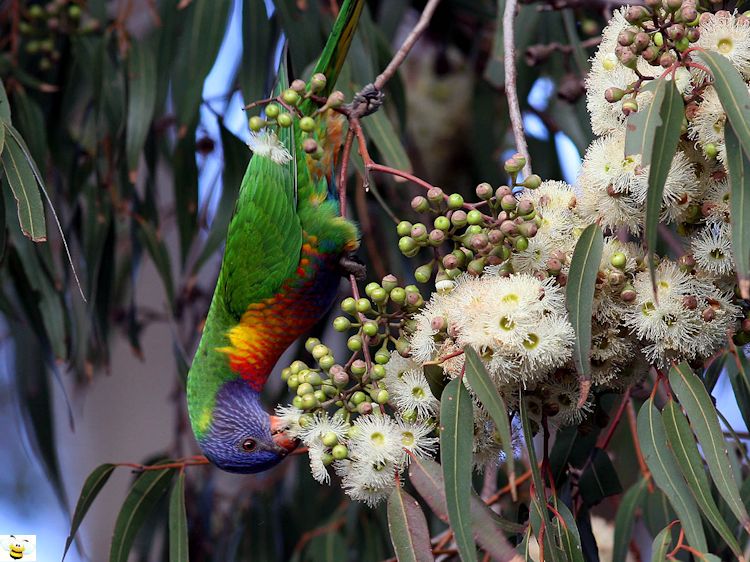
242 436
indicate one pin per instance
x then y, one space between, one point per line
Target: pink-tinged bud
484 191
310 146
554 266
450 262
525 206
502 191
438 323
495 236
508 228
420 204
708 314
435 195
690 302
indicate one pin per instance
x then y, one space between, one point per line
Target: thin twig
511 93
411 39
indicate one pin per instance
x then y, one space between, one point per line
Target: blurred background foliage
142 157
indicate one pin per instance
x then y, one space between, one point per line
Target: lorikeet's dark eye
249 445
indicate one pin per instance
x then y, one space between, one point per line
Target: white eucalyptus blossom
712 249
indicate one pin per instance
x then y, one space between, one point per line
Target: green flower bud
476 267
317 82
256 123
435 195
340 452
305 388
658 39
349 305
378 371
484 191
307 124
407 244
459 218
272 111
532 182
364 305
420 204
521 243
379 295
409 416
309 402
403 347
319 351
710 150
613 94
455 201
358 397
370 287
419 232
618 260
442 223
389 282
354 343
297 402
381 397
474 217
404 228
370 328
285 373
341 324
329 391
398 295
682 45
326 362
320 396
292 382
423 273
310 343
629 106
330 439
284 120
297 366
290 97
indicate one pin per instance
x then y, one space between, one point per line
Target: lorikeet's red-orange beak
280 437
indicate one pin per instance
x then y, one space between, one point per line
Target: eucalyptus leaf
625 520
738 166
91 488
408 528
178 531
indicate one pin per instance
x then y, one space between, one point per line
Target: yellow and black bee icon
18 548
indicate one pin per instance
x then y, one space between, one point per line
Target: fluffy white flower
266 143
712 249
724 34
707 125
321 424
289 416
367 481
375 439
716 203
416 439
317 452
411 393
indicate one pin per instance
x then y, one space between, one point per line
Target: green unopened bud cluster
43 27
471 236
661 32
285 111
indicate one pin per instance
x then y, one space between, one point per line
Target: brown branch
634 434
411 39
514 109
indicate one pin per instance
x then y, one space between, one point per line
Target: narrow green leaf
30 122
568 532
2 137
427 477
20 177
145 493
408 528
435 379
141 100
159 253
704 420
380 131
579 294
666 136
599 480
660 546
91 488
4 106
681 441
625 520
256 46
456 426
546 532
738 166
641 125
666 473
480 382
178 532
186 191
733 94
199 46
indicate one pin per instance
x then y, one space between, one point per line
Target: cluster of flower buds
287 107
42 25
469 236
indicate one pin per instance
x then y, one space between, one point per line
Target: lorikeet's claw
280 437
368 100
351 265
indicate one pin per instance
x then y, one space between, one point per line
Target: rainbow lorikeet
286 250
